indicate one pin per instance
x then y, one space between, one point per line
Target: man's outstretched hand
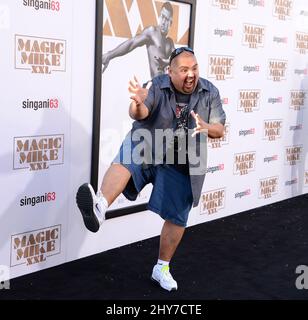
201 125
139 94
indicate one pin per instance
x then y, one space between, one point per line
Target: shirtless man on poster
159 46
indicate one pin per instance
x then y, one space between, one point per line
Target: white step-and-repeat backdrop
254 51
35 100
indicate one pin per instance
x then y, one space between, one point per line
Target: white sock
163 263
102 199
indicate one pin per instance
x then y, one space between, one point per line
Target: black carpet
251 255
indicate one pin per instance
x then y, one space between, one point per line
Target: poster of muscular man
138 37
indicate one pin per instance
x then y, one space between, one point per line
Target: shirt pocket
203 108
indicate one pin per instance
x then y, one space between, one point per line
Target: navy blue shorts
171 196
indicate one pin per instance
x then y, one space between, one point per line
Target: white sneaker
91 207
162 275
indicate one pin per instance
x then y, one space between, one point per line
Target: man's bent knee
120 168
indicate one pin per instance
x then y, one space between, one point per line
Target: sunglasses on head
178 51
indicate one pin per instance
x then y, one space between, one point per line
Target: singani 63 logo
41 4
34 200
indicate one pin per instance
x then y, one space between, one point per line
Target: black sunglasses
177 51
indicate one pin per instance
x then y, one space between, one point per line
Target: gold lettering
273 124
221 61
244 157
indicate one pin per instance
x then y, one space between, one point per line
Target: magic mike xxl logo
225 4
249 100
268 187
212 201
40 55
253 35
293 154
277 69
38 4
272 129
219 142
126 19
297 98
301 42
221 67
282 9
244 163
35 246
38 153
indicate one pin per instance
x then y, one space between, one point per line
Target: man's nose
190 73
